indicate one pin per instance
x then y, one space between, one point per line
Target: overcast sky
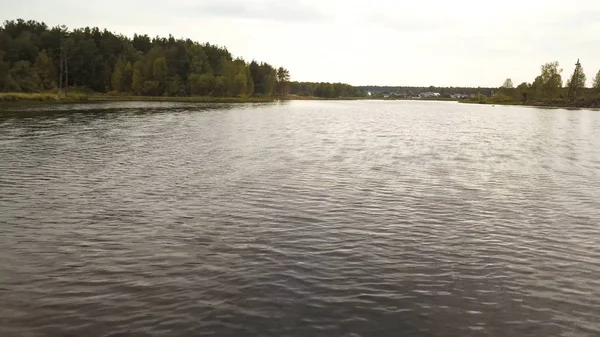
382 42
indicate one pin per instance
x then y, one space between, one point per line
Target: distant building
430 94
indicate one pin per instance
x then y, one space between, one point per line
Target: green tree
4 72
283 78
249 82
577 82
256 75
523 90
24 77
269 78
127 77
198 61
226 70
137 79
159 74
239 84
508 84
325 90
240 80
151 88
220 88
507 92
535 88
596 83
264 78
46 71
551 80
175 86
201 84
117 77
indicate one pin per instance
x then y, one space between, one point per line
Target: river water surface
299 219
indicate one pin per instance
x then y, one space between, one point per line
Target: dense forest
325 90
36 58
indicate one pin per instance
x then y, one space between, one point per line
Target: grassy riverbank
445 99
42 97
191 99
314 98
78 97
593 103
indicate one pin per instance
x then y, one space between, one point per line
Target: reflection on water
299 219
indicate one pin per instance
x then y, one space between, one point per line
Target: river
303 218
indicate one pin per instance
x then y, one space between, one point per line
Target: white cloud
387 42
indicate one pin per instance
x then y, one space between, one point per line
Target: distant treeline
36 58
547 89
443 91
325 90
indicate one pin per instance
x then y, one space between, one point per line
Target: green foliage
220 86
35 57
100 61
239 85
550 80
117 78
198 61
270 78
46 71
577 82
547 90
523 91
201 84
137 79
4 72
127 77
175 86
264 77
159 73
249 83
596 83
508 84
19 96
24 77
150 88
324 90
283 77
234 75
500 97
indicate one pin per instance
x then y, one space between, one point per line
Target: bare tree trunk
66 75
60 75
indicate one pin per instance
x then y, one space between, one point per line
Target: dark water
299 219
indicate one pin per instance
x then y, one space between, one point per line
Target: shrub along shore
547 90
79 97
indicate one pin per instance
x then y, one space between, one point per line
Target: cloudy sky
361 42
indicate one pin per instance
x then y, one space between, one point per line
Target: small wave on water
300 219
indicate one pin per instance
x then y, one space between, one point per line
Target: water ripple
299 219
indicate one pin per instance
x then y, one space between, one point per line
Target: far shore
587 104
75 97
83 98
